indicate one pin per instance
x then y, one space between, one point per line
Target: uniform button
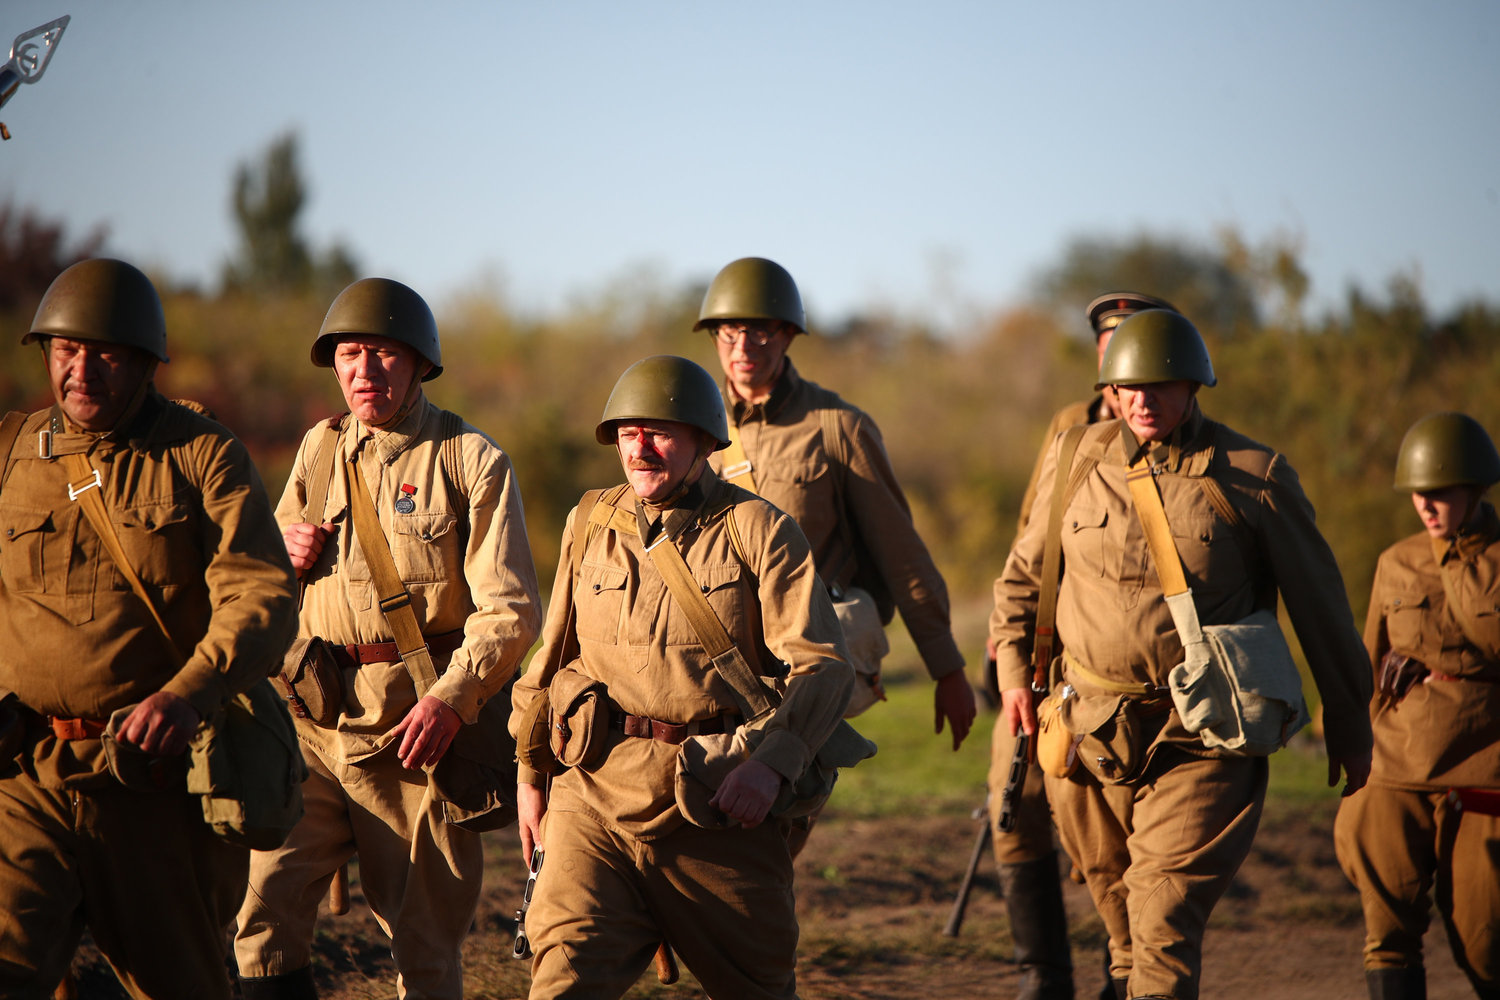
1203 537
596 588
10 532
426 536
150 525
704 588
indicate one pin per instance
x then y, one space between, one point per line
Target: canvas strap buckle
74 492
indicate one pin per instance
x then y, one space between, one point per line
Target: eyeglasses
755 336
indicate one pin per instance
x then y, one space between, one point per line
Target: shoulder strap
395 602
1045 638
88 493
737 467
1164 551
320 476
10 429
689 596
450 456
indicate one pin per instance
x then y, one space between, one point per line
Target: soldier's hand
426 732
531 806
954 700
1356 768
162 724
1018 710
748 793
304 543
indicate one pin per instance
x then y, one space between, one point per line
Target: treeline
962 414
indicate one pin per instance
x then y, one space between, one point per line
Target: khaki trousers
1031 840
604 901
420 876
1403 848
1157 854
141 870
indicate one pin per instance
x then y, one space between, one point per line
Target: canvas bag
1237 687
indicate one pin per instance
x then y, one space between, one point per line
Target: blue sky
927 158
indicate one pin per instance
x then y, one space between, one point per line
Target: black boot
1397 984
287 986
1039 926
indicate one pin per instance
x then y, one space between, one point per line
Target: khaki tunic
1400 840
613 830
76 642
783 439
1112 618
468 566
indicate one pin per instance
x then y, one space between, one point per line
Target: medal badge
406 502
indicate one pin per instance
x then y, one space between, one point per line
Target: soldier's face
1156 409
375 374
657 455
750 352
1445 511
94 381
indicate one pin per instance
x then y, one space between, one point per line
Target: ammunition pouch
580 718
534 736
312 681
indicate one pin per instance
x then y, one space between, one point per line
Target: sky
926 158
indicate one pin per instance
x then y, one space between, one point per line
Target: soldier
823 462
1025 857
1427 819
631 856
449 514
1159 822
78 645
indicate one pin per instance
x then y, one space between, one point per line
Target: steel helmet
1446 449
103 299
666 387
380 307
753 288
1110 309
1155 345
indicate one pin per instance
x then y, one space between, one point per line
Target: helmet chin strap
689 478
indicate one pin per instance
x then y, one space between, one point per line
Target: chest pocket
599 602
720 585
426 545
804 489
1203 544
1407 618
35 544
1083 531
161 544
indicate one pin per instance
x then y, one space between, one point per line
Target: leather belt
666 732
76 729
358 654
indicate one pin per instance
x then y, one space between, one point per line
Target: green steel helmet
1446 449
1110 309
103 299
380 307
666 387
1155 345
753 288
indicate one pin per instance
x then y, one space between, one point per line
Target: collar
1187 451
387 444
64 437
675 517
1469 541
787 384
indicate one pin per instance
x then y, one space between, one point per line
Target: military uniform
1153 877
462 553
623 866
78 848
783 439
1401 839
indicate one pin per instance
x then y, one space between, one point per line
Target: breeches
605 900
421 876
1157 854
1403 848
1032 837
141 870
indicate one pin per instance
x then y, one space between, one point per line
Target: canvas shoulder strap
737 467
395 601
320 476
1045 639
714 638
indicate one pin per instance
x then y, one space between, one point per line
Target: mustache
645 465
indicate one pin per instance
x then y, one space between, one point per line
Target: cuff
461 691
784 753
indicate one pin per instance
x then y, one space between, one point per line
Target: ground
875 894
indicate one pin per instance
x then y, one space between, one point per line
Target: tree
32 253
268 197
